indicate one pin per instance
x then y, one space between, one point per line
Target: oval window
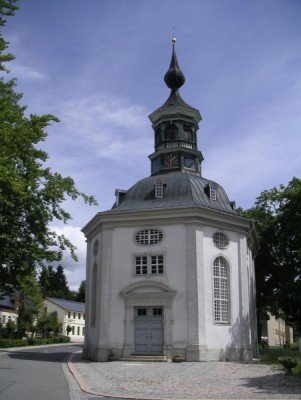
149 236
220 240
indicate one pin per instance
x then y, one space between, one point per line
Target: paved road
37 373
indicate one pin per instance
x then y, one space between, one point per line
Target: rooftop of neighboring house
7 302
68 305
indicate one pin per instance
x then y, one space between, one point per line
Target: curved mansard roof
181 190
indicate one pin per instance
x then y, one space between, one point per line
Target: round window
220 240
95 248
149 236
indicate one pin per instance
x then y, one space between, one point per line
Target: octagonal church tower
170 268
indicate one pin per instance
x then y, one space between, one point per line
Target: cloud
25 72
74 271
107 124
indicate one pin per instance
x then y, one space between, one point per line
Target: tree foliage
81 294
49 322
31 194
30 301
53 283
277 215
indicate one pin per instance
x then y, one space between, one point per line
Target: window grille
159 188
220 240
149 265
149 236
157 264
212 192
221 293
141 265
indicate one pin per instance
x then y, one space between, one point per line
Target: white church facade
170 269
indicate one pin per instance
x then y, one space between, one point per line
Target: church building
170 268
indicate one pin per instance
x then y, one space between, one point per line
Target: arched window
94 294
221 290
159 188
187 134
171 132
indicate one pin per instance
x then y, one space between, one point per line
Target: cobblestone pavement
205 380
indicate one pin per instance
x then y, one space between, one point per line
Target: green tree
31 194
81 292
7 8
277 216
48 322
30 302
54 283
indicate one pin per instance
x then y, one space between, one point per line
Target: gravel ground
205 380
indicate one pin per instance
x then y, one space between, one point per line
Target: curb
40 346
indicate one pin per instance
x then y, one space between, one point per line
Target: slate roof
7 302
181 190
68 304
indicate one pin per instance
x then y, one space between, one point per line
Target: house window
141 312
149 236
83 331
158 311
141 265
212 191
157 264
69 314
78 331
79 316
221 292
72 330
74 315
149 265
220 240
159 189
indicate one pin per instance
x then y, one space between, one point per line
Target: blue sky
99 65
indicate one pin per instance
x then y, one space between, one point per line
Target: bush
5 343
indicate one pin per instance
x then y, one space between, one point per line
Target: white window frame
149 236
220 240
212 192
159 188
154 262
219 284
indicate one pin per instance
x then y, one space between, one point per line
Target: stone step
144 358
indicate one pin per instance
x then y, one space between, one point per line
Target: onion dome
174 77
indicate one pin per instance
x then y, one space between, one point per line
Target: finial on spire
174 77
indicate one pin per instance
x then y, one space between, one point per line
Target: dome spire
174 77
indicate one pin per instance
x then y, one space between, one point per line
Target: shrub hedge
5 343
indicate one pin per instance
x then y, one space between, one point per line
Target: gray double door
148 332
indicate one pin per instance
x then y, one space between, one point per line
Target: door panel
148 334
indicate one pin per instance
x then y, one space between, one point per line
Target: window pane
221 290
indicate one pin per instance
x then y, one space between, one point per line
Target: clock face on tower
170 160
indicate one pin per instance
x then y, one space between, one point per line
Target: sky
99 65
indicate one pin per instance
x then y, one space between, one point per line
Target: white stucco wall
189 253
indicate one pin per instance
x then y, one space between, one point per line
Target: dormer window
159 188
211 191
